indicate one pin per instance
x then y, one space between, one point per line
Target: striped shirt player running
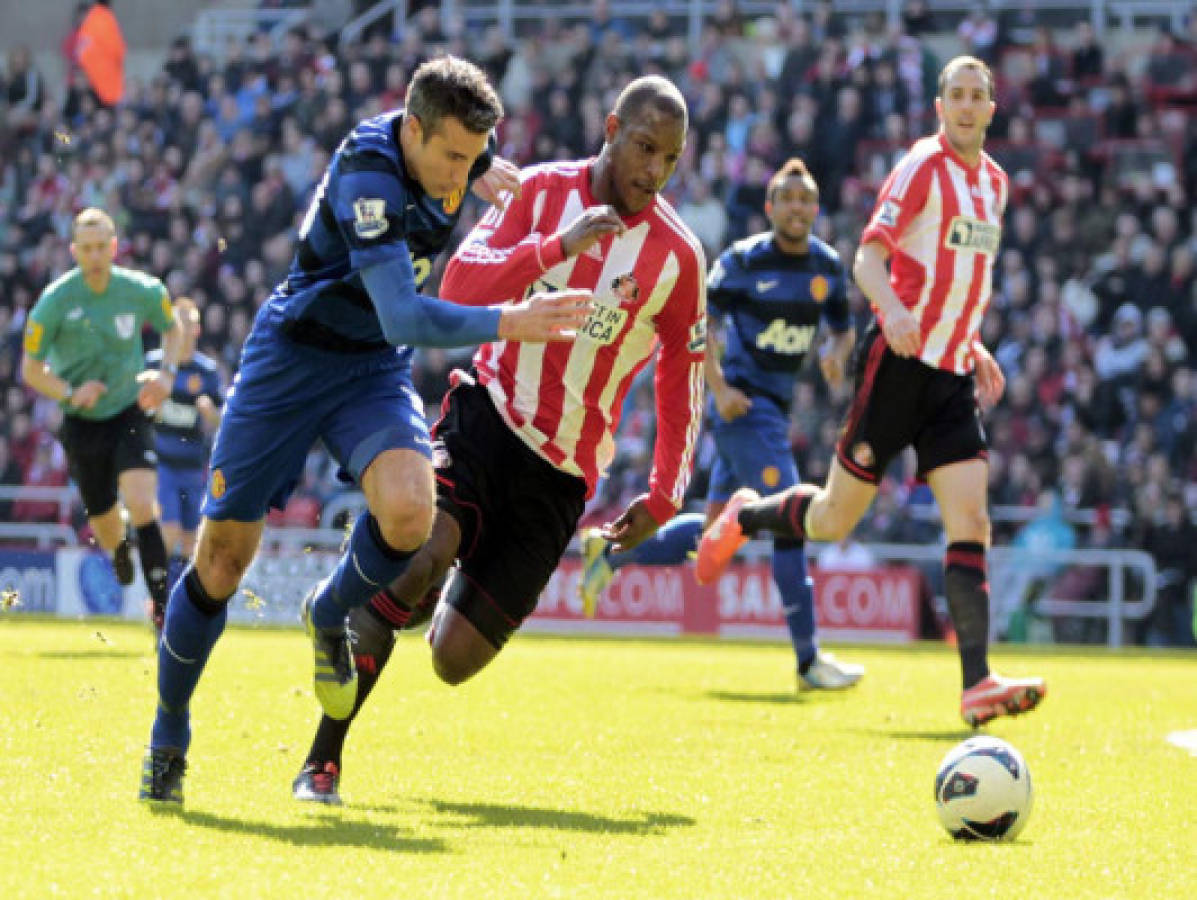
770 293
921 372
524 438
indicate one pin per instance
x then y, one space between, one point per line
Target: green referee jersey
85 336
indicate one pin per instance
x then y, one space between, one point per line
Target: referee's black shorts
901 401
98 450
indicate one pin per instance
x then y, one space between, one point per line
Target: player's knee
450 667
406 525
221 565
141 508
833 525
459 651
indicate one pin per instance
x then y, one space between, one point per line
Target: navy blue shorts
180 493
754 451
285 398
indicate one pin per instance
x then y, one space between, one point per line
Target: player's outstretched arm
553 316
410 318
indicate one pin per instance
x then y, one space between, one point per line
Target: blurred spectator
10 476
979 32
1170 539
100 48
46 469
917 18
26 89
1087 56
706 216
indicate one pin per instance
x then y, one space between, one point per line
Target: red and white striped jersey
564 399
942 222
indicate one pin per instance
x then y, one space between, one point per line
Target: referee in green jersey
83 348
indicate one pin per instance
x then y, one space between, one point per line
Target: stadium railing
214 28
65 497
1013 569
42 535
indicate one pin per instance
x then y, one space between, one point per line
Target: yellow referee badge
168 310
819 288
453 201
218 484
34 332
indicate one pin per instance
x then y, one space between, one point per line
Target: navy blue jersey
179 425
771 304
366 210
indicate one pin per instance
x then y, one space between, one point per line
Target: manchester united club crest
819 288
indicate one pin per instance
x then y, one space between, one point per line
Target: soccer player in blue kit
181 427
770 291
329 359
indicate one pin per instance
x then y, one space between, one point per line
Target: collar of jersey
957 158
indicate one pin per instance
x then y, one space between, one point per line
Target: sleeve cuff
881 236
660 508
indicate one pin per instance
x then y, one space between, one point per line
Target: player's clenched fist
554 316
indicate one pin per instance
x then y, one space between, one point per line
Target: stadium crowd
209 166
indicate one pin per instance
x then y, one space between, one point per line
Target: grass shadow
93 654
903 734
756 696
502 815
329 830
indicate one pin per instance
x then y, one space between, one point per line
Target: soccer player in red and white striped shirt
921 374
524 439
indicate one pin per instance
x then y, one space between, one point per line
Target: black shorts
97 451
517 512
902 401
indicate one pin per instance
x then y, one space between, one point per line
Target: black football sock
965 583
373 641
781 514
152 550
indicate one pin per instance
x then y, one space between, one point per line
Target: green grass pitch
585 768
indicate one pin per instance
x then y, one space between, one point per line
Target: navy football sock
194 622
367 566
797 598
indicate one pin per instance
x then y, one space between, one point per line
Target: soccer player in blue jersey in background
770 291
329 359
182 427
